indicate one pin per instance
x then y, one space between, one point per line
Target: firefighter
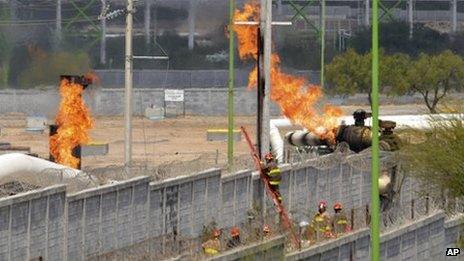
320 225
234 241
213 245
266 231
271 169
339 221
393 140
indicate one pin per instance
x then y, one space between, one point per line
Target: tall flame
295 96
74 122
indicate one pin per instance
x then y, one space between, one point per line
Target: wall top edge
412 226
108 188
33 194
236 175
185 178
455 220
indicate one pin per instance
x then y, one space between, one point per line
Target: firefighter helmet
269 156
216 232
235 232
322 204
338 206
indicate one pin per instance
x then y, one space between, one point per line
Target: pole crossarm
147 57
257 23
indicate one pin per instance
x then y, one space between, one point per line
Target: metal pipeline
303 138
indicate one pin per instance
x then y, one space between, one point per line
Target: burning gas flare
295 96
74 122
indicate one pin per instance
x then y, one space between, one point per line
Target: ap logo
452 251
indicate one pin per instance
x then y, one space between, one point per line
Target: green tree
433 77
6 48
350 73
46 68
438 160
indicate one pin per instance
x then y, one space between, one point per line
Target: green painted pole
230 93
322 42
375 200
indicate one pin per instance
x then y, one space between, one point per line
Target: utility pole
128 88
155 22
367 12
266 35
147 21
103 35
191 23
454 16
13 10
58 23
322 42
230 100
411 17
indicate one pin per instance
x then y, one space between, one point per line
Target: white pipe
15 166
402 122
277 143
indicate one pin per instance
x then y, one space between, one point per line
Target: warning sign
174 95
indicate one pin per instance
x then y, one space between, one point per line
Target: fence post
368 215
427 204
412 209
352 219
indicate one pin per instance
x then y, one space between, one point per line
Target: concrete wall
207 101
32 225
424 239
163 217
107 218
454 230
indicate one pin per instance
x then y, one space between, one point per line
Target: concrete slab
154 113
94 149
36 124
221 135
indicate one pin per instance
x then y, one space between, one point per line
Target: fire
295 96
74 122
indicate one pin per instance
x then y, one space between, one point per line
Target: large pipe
18 166
402 122
303 138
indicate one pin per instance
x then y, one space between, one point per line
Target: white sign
174 95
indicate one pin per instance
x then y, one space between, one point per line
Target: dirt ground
156 143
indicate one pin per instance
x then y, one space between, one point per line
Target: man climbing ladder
271 169
272 192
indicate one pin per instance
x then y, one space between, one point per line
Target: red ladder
286 222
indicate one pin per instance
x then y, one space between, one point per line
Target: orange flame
74 122
295 96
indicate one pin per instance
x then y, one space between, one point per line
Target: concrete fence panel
32 225
103 219
182 205
236 198
454 231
